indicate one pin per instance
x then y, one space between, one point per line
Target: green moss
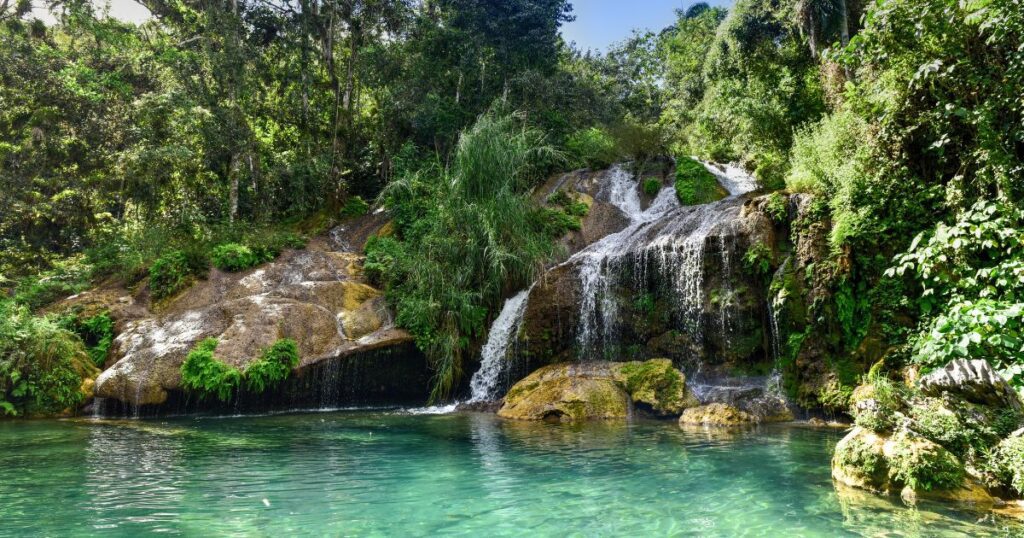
835 396
652 186
657 383
924 465
695 185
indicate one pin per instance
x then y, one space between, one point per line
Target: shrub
383 255
96 332
234 257
355 207
557 222
569 203
777 208
273 366
757 260
1006 463
174 271
203 373
695 185
66 278
652 186
469 233
42 365
875 403
592 148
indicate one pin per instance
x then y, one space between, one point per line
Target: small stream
389 473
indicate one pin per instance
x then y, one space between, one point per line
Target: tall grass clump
466 235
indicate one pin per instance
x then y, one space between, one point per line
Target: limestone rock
975 381
597 390
859 461
903 463
716 414
316 296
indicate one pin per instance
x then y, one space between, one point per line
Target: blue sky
600 23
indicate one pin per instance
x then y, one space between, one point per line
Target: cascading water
495 352
665 243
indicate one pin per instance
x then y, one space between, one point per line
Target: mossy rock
716 414
903 463
566 399
1006 464
859 461
657 384
875 405
597 390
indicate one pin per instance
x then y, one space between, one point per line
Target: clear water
391 474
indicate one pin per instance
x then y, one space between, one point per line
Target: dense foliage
451 264
216 134
42 365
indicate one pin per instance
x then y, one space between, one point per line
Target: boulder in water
716 414
904 463
597 390
974 381
658 384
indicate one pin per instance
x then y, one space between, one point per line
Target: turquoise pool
391 473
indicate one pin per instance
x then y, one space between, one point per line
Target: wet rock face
597 390
675 287
974 381
316 296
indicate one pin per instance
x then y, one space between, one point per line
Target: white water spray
495 351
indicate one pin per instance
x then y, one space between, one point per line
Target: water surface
386 473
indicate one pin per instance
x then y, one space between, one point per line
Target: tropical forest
512 268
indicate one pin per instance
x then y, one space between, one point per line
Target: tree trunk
236 165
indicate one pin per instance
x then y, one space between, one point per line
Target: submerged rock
975 381
597 390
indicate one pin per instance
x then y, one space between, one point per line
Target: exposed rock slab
974 381
316 296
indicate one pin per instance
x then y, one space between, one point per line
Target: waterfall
495 351
666 242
